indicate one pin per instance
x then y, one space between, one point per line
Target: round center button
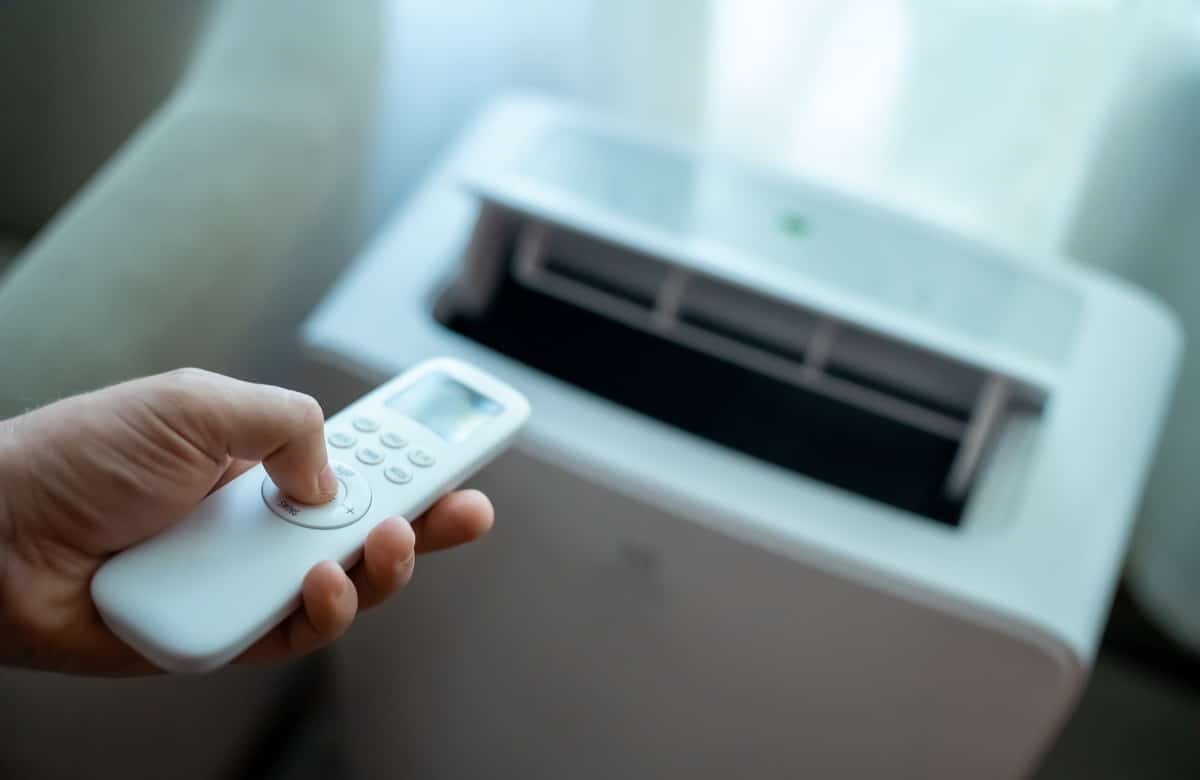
351 503
365 424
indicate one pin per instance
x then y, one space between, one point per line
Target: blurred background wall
178 185
1069 129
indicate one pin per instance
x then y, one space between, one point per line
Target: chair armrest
182 247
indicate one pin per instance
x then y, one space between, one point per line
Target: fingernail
327 482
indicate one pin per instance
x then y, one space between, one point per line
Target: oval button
393 441
422 458
398 475
369 455
342 440
365 424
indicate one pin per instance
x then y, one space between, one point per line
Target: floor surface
1139 717
1132 722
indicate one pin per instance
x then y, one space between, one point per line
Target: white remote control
195 596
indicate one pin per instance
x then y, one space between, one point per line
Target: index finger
282 428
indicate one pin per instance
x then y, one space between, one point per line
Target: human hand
89 476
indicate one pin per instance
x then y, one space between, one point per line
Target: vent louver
933 410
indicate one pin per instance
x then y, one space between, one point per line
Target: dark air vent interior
789 386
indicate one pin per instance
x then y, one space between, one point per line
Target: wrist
7 480
25 635
15 487
7 519
13 492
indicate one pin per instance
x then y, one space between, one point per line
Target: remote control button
343 471
342 440
365 424
421 458
393 441
369 456
351 503
398 475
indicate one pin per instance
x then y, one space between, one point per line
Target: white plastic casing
195 596
787 627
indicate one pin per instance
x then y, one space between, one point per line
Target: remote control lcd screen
445 406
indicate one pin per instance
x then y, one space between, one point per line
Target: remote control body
195 596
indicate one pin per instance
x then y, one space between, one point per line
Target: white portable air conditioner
811 488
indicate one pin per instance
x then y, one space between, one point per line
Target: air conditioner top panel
1042 551
794 240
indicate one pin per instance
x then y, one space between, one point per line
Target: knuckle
192 387
189 400
306 412
188 376
185 385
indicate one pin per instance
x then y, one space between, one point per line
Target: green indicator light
794 225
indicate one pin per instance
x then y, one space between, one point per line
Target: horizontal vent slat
729 347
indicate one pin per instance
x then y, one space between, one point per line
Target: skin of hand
88 476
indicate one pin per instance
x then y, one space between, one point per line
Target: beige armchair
235 131
177 186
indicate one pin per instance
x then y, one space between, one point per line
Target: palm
137 476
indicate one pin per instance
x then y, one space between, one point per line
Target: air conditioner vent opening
794 386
